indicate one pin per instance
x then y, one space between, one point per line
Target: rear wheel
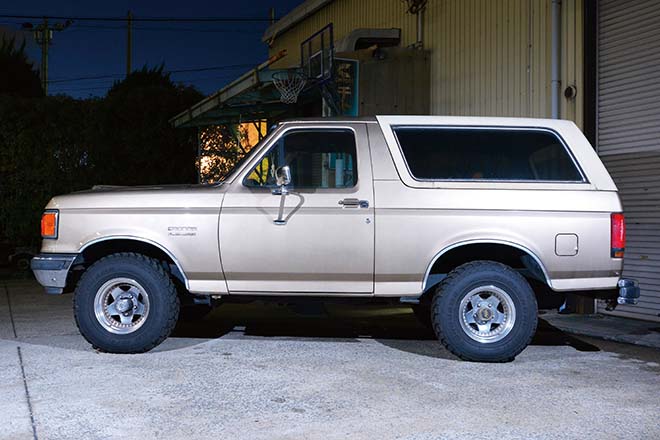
126 303
484 311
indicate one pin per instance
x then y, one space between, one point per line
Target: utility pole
129 42
272 16
43 35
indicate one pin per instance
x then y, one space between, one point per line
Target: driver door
318 238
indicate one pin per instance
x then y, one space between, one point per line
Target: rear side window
437 153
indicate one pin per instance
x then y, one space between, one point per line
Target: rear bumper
52 270
625 291
628 291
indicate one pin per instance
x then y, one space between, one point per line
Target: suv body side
384 249
458 214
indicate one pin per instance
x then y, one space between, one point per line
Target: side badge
182 231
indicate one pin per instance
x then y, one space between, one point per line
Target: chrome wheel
487 314
121 305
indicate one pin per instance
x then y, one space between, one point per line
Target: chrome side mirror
282 179
283 175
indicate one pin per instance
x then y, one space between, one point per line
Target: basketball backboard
317 54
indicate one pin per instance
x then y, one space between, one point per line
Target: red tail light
618 239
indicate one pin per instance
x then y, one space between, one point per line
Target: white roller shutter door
629 135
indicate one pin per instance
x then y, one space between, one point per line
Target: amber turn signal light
49 224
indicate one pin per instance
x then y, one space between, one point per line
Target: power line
206 78
172 29
118 75
145 19
84 28
82 88
107 86
112 80
148 28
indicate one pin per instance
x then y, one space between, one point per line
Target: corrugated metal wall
346 16
481 57
629 135
489 57
492 58
629 77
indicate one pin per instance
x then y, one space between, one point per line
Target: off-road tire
445 312
163 298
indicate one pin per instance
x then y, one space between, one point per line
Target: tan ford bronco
463 218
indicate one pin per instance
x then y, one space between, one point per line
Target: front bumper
629 291
52 270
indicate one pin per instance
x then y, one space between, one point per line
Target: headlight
49 223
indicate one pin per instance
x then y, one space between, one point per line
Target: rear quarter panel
416 221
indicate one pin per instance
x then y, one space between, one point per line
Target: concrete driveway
264 372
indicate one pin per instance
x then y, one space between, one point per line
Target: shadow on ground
393 326
47 320
9 273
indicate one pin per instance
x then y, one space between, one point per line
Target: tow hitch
628 292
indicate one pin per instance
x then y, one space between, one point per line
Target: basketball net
289 83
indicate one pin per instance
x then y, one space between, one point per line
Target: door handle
354 203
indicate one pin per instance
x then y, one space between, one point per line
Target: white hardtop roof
583 152
556 124
473 120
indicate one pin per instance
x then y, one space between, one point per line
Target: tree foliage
43 152
17 74
135 143
56 144
222 147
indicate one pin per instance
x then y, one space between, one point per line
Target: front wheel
484 311
126 303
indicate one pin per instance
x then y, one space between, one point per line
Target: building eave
243 83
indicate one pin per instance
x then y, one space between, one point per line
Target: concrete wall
488 57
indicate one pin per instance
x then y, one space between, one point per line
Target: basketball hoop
289 83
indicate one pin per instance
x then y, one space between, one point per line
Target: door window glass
317 159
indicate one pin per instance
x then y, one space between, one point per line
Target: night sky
96 48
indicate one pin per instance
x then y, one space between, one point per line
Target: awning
250 97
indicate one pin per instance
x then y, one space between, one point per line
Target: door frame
359 129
